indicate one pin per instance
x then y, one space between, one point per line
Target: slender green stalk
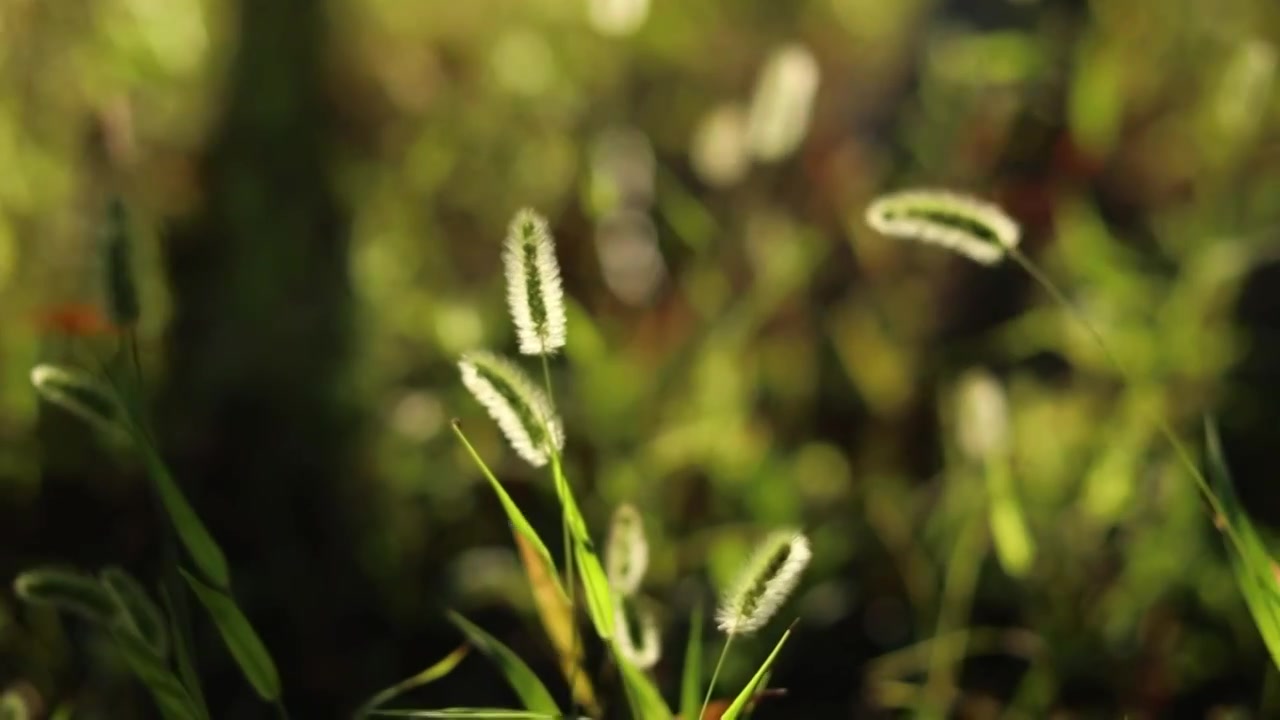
1180 448
562 488
715 675
280 710
957 598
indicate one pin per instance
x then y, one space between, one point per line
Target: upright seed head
764 584
534 293
627 554
117 252
974 228
637 637
522 411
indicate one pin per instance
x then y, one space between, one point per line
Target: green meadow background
320 191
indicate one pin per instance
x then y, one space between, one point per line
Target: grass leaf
595 582
740 703
646 701
80 394
170 695
1253 565
200 545
441 668
245 646
532 692
558 620
691 678
139 610
487 713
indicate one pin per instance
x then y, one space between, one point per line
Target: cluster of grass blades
525 413
151 639
982 232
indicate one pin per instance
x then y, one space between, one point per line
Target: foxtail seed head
534 293
522 411
627 554
764 584
80 394
117 249
974 228
637 636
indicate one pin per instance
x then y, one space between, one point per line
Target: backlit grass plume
974 228
627 555
523 412
764 584
637 636
533 284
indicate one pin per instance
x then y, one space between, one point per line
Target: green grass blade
70 592
1253 565
558 620
645 699
516 518
441 668
245 646
138 609
740 703
170 695
200 545
532 692
691 677
180 634
474 713
595 582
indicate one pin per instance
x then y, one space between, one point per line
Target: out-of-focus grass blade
557 619
79 393
139 610
488 713
595 582
691 677
532 692
646 701
171 697
1254 568
440 669
68 591
13 706
183 657
200 545
245 646
740 703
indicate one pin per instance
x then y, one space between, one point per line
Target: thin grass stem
715 675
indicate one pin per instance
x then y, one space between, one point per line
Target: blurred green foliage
743 351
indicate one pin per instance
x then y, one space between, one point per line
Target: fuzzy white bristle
765 582
534 292
521 409
646 653
627 554
900 215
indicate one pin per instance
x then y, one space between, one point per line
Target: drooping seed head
80 394
534 292
138 612
522 411
627 554
974 228
764 584
638 639
68 591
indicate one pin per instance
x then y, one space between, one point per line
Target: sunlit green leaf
1253 565
740 703
441 668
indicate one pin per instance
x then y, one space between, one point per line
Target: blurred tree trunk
257 416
